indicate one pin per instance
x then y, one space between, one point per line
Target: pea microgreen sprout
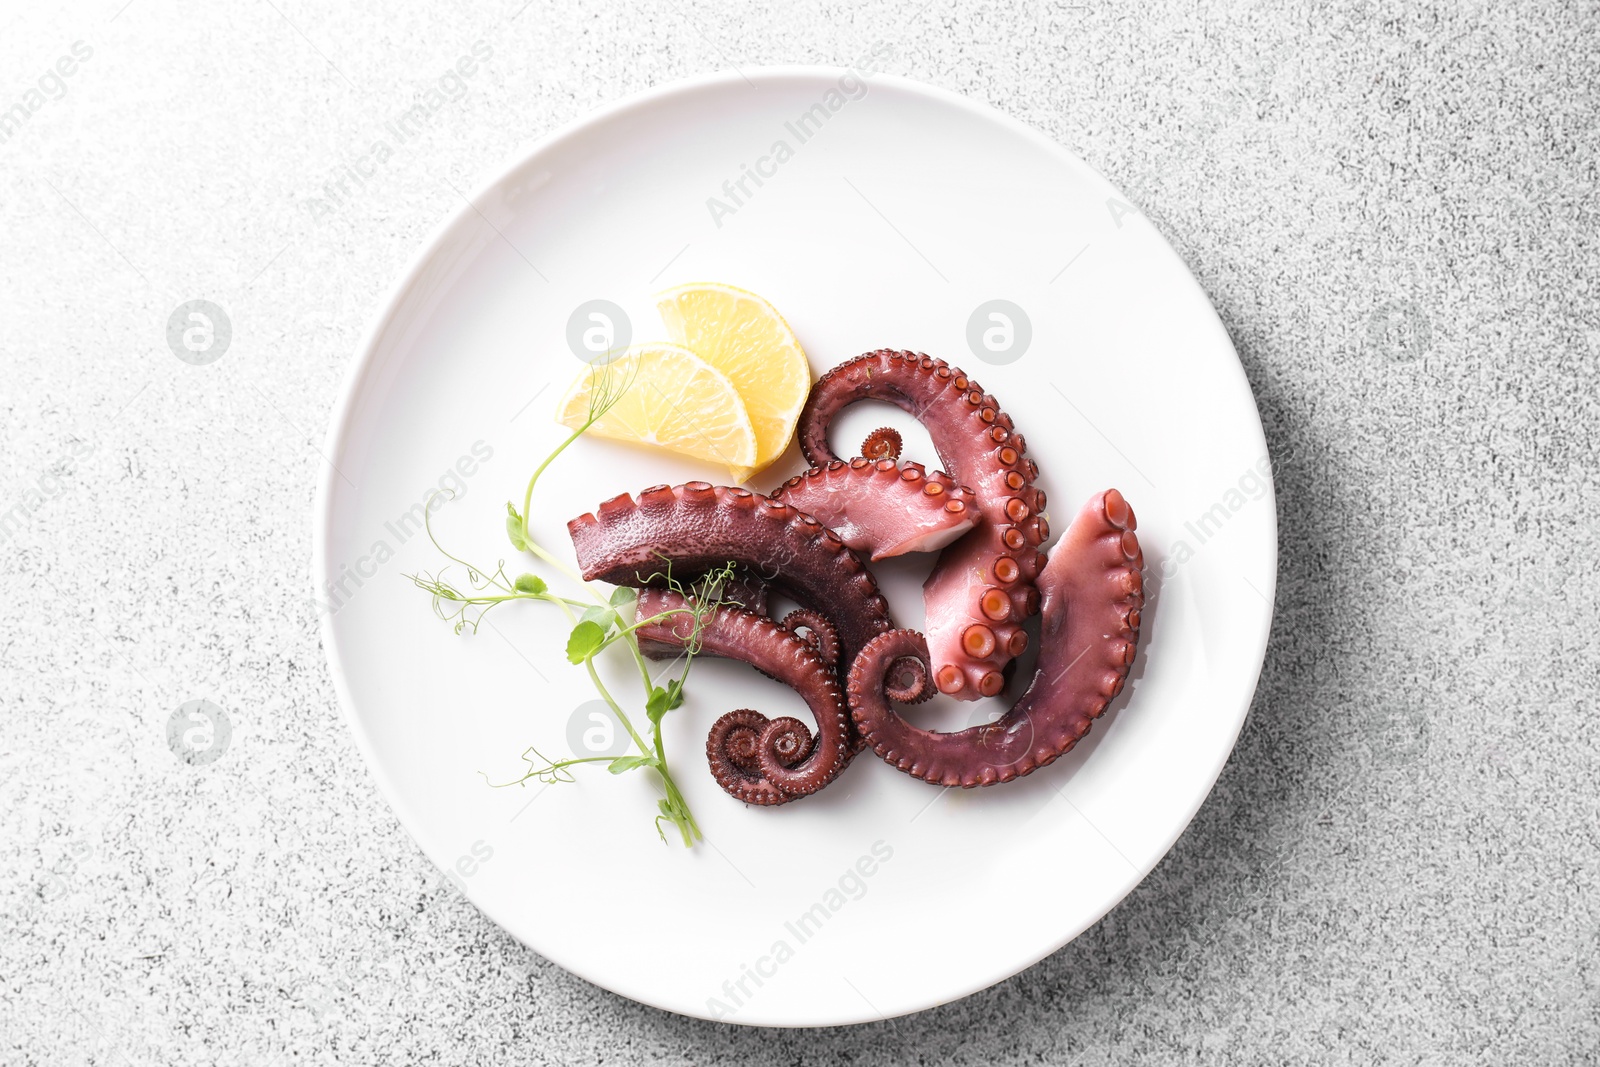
487 590
596 627
605 389
599 629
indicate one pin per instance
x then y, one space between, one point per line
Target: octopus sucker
810 540
1092 593
707 527
977 443
883 508
757 760
994 604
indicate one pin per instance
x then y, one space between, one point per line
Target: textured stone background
1394 209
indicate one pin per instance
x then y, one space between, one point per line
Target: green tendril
595 627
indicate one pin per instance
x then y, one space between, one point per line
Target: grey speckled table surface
1393 207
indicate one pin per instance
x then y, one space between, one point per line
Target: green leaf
530 583
602 617
586 639
622 596
514 529
665 808
655 706
628 763
664 699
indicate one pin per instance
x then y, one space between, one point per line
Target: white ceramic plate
901 211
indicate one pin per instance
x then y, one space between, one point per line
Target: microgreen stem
604 392
527 498
591 635
625 633
622 716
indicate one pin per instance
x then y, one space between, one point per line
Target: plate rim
343 413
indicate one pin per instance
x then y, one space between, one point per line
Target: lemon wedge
670 398
745 338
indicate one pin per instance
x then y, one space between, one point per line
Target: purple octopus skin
747 591
1093 593
754 759
882 508
817 632
696 527
982 587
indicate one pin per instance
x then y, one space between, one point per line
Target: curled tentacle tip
733 745
815 629
907 681
785 742
883 443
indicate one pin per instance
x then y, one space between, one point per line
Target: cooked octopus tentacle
758 760
983 586
1093 594
817 631
696 527
881 508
